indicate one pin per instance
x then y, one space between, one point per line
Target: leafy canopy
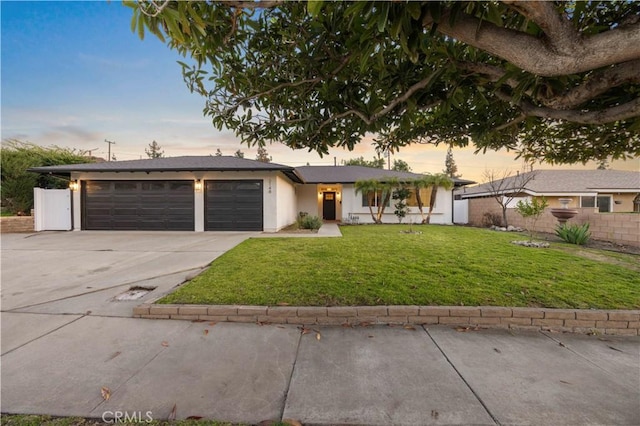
554 81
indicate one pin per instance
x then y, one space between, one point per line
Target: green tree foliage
400 195
218 153
238 154
263 155
531 212
376 163
450 167
154 150
17 183
554 81
400 166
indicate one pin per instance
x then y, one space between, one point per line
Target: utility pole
110 143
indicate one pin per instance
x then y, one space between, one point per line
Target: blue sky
73 74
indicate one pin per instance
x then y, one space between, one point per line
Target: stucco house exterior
609 200
220 193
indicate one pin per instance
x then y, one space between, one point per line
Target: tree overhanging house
220 193
607 199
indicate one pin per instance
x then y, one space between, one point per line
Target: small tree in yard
504 188
531 212
400 195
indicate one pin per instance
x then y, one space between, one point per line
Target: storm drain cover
134 293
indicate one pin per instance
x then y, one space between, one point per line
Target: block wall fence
13 224
614 322
619 228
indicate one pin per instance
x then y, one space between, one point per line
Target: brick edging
615 322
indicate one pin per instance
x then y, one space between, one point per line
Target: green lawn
444 265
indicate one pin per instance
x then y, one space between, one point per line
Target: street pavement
63 342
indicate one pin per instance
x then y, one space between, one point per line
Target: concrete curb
586 321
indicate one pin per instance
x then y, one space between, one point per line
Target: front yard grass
443 265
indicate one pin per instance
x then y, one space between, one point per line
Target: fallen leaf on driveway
409 327
497 350
462 329
562 344
304 330
317 335
172 415
291 422
115 354
206 331
105 392
165 344
212 323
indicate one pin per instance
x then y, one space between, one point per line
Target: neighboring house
594 193
219 193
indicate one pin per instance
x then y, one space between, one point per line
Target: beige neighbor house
220 193
609 200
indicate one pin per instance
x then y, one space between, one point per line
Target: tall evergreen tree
238 154
218 153
263 155
154 150
451 169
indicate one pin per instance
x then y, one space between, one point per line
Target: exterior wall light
73 185
198 185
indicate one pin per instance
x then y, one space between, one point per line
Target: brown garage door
233 205
138 205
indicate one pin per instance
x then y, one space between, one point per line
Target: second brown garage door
233 205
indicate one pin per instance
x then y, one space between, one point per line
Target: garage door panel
138 205
234 205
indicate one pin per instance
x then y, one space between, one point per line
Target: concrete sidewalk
378 375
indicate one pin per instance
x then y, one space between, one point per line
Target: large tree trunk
370 201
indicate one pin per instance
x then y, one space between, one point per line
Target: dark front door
329 205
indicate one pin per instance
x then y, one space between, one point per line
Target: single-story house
608 200
220 193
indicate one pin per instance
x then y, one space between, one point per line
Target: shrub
574 234
490 219
531 212
309 222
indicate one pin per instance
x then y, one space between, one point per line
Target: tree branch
617 113
312 81
250 4
561 34
531 54
595 85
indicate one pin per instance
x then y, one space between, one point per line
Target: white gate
461 211
52 209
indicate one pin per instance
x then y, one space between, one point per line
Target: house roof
351 174
173 164
304 174
549 182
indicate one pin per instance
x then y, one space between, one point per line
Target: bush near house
17 183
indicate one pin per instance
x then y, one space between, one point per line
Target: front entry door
329 205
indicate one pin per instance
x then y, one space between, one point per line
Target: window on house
425 194
587 201
376 199
636 204
604 203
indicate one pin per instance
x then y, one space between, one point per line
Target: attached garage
138 205
233 205
190 193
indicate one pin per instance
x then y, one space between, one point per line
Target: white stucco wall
286 203
307 199
352 203
277 213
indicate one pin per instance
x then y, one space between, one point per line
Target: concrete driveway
76 272
64 339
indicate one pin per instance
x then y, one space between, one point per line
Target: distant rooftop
566 181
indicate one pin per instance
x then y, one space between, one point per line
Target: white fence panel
461 211
52 209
